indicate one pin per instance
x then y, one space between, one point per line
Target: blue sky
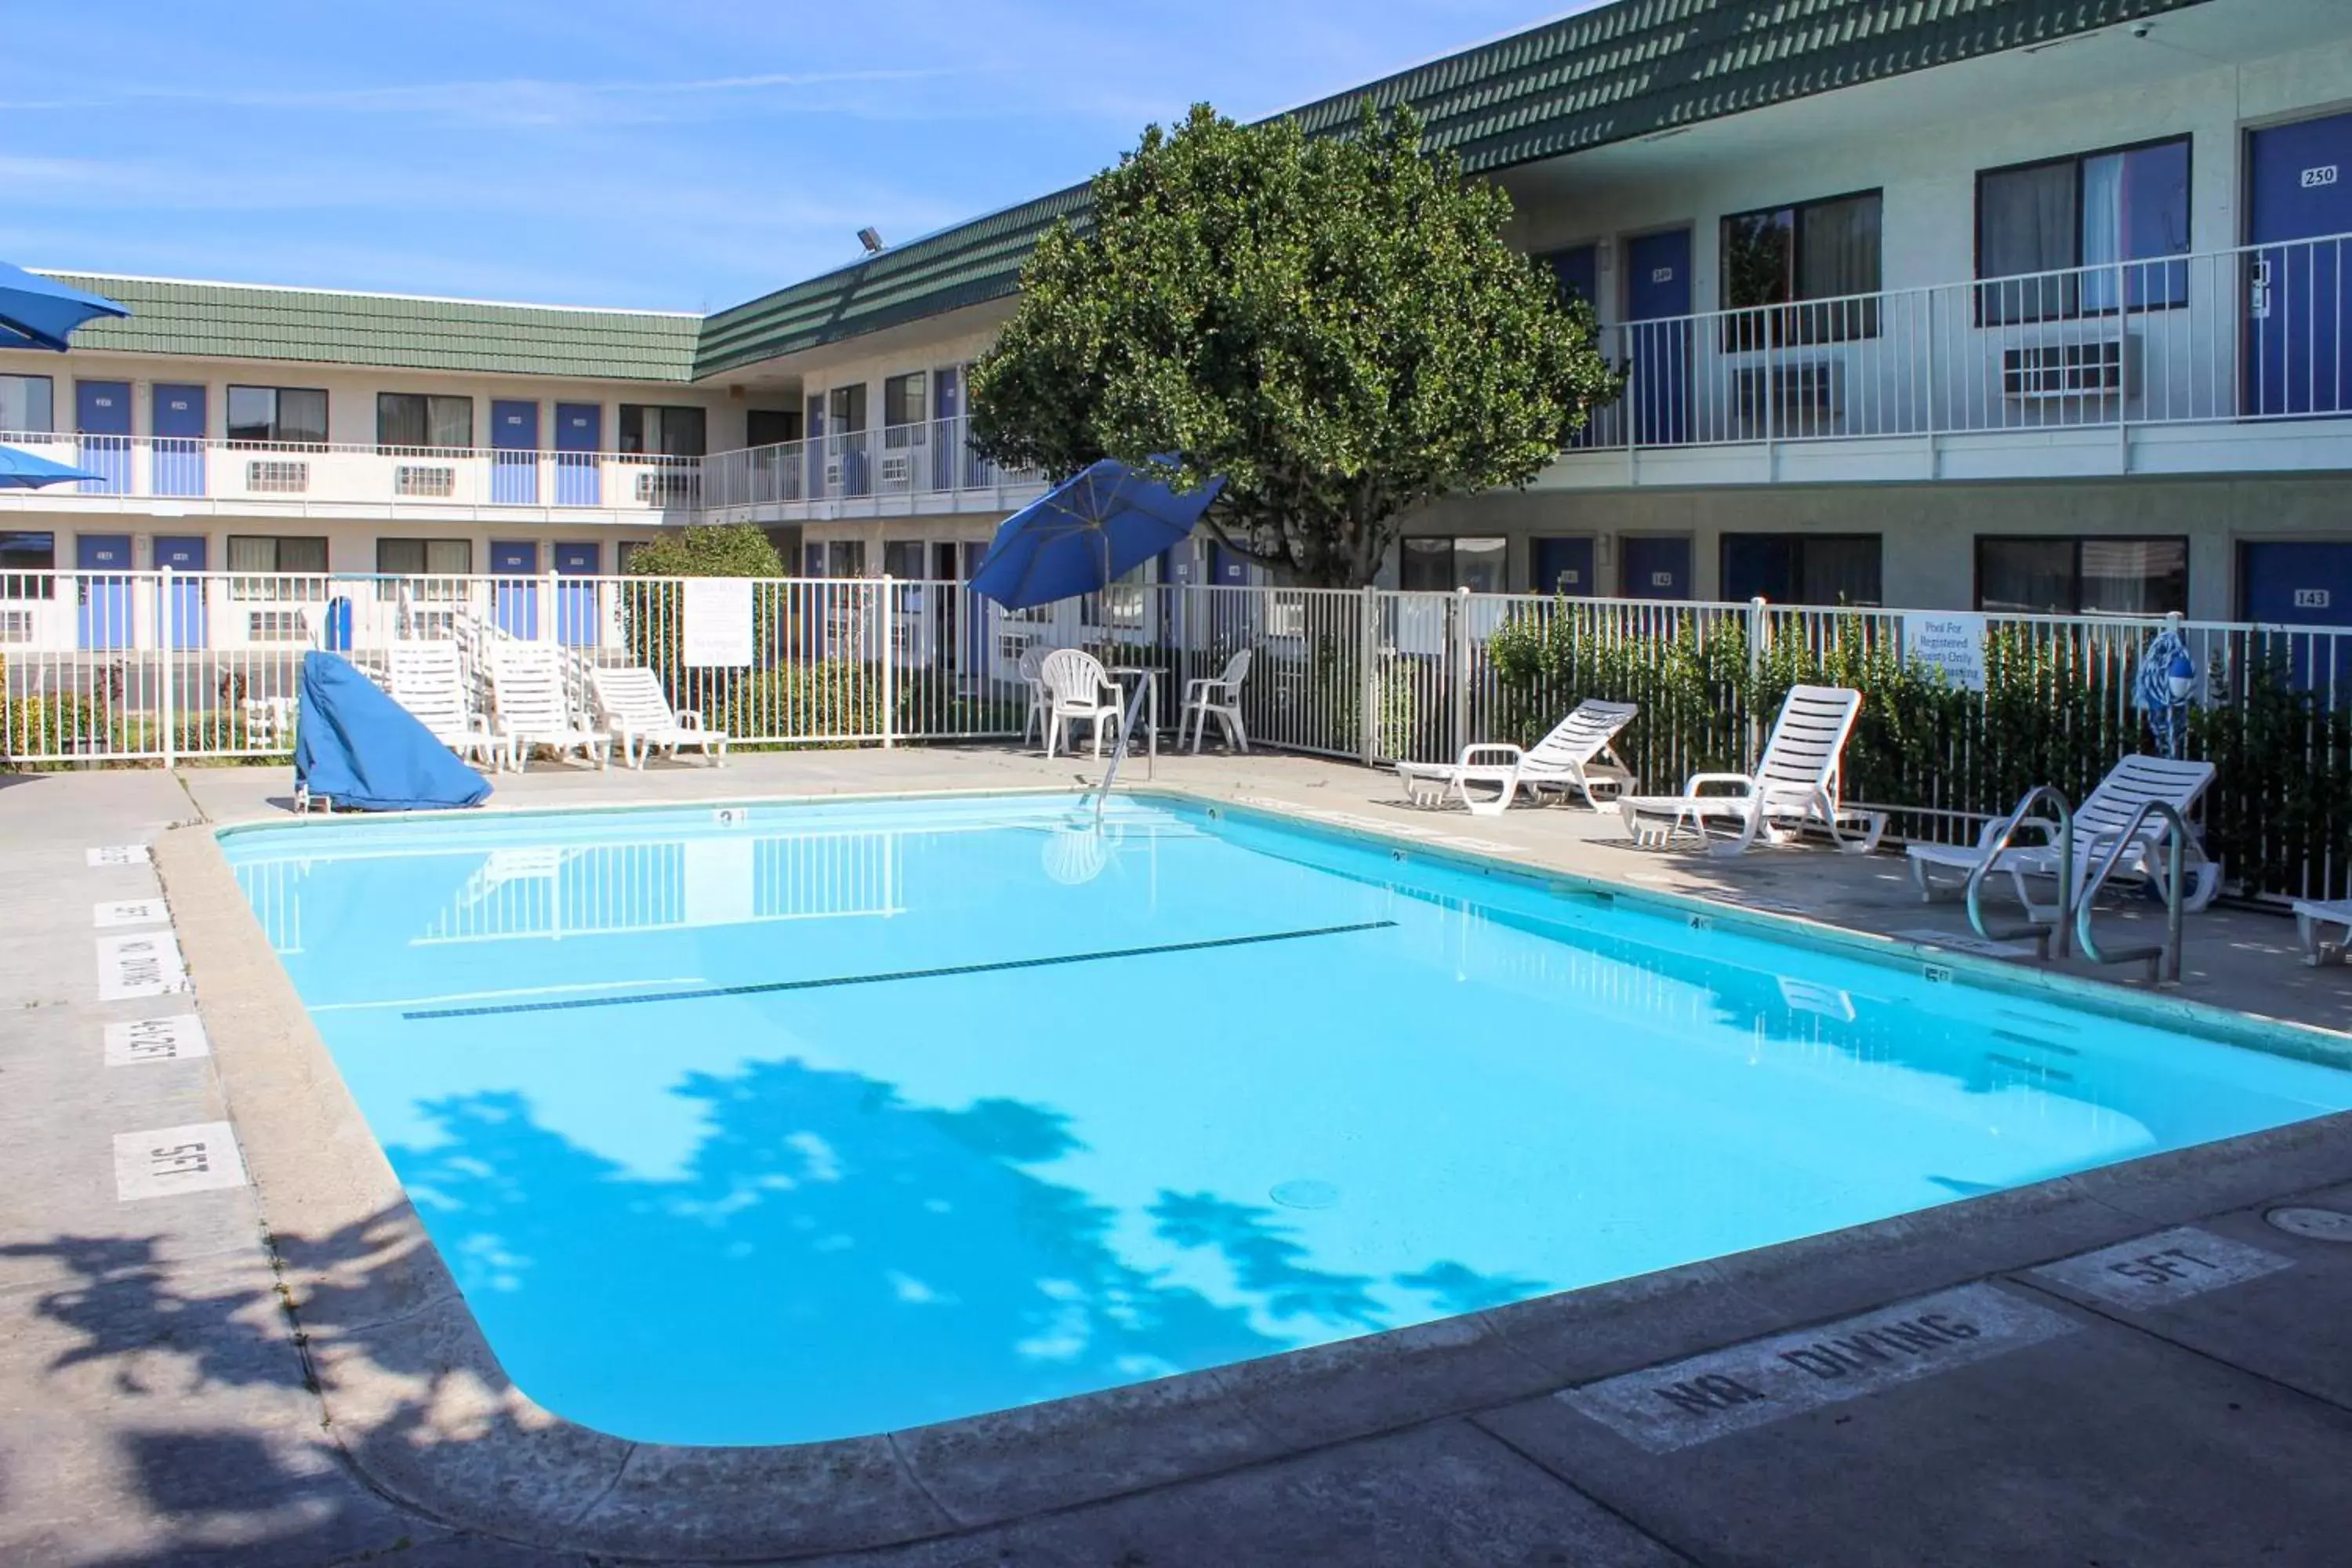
679 155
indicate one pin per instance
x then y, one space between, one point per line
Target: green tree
1335 325
715 550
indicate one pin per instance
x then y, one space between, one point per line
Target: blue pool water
824 1120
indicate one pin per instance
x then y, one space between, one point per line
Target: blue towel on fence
355 745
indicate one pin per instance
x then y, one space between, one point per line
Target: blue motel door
1578 273
103 593
179 443
514 453
1657 289
2302 582
576 601
103 418
2298 188
514 595
187 601
1656 568
1564 567
579 436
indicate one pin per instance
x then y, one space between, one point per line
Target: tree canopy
708 550
1335 325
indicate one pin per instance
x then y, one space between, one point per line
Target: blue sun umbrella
22 470
1085 533
39 312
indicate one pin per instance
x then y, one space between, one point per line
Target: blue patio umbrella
27 471
38 312
1085 533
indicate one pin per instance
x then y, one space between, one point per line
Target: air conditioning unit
275 476
669 486
2041 373
1790 398
897 470
15 625
432 483
832 470
277 625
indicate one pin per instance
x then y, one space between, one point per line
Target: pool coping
418 1401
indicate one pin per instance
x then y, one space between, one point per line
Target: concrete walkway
1954 1392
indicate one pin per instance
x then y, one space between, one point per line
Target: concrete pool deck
1938 1397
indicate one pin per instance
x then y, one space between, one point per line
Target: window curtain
1837 256
2026 223
2134 576
2026 576
252 554
449 421
2103 229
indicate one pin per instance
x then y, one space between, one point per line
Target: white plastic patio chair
637 713
529 709
1569 759
2099 823
429 679
2310 916
1030 671
1795 785
1078 691
1217 697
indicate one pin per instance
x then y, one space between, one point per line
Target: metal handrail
2164 960
2051 939
1119 751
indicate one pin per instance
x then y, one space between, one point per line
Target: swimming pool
775 1123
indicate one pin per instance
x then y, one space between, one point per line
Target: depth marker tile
119 855
131 913
196 1157
177 1038
2171 1266
145 964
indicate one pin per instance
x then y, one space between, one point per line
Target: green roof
1623 71
318 326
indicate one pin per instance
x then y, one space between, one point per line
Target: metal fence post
889 662
1759 631
1457 654
163 663
1368 674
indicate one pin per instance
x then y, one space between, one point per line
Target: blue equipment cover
356 746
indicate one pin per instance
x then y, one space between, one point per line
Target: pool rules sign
717 615
1950 640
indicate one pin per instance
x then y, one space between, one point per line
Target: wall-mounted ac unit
669 486
433 483
275 476
15 625
1788 397
2093 367
277 625
897 470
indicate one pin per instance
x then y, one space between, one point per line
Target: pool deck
1941 1388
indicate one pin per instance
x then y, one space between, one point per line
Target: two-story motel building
2021 304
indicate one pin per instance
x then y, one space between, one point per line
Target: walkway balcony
2233 361
169 476
901 469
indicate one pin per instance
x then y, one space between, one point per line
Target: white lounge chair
2310 915
1567 759
429 681
1795 785
2099 823
1078 691
1217 697
637 713
528 704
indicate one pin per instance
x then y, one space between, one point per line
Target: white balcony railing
300 476
931 459
2261 332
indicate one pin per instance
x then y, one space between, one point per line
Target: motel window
28 402
22 552
903 559
1443 566
2082 577
903 400
845 558
256 555
1803 568
627 552
281 416
425 557
424 420
844 409
2123 211
1823 251
661 429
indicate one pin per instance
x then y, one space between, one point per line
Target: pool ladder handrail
1118 750
2164 958
2050 938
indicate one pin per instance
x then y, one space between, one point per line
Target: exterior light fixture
871 239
